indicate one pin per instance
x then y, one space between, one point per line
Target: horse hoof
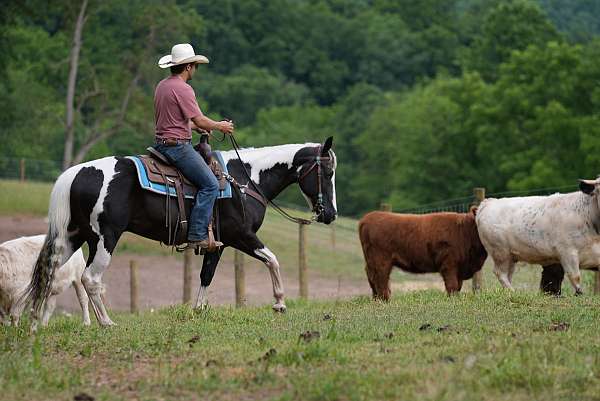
578 291
281 308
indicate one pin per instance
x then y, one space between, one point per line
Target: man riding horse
95 202
176 114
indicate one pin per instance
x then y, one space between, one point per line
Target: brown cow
439 242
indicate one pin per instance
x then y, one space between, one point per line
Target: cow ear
326 146
587 186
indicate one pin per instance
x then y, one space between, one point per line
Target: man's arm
205 123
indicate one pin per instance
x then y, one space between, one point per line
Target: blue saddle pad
145 183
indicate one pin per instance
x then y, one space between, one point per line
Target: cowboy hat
182 53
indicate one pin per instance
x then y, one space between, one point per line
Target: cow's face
590 187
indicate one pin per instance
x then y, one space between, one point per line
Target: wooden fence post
188 259
477 282
385 207
332 236
133 286
240 279
302 269
22 169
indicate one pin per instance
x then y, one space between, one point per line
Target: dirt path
161 278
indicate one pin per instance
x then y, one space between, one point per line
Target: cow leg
15 313
381 282
378 268
552 278
83 301
511 271
449 272
502 269
570 263
48 309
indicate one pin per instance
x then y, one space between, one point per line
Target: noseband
319 206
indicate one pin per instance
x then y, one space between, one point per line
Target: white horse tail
57 248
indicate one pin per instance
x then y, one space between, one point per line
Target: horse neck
271 168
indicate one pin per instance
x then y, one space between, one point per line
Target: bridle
319 206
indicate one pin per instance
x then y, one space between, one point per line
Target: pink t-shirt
174 105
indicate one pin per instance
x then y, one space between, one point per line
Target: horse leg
253 247
83 301
209 266
98 261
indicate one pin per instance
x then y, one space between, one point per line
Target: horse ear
326 146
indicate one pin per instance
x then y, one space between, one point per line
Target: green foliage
424 99
248 89
528 123
577 18
510 26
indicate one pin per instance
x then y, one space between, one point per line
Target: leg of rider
195 169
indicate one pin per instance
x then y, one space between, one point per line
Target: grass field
422 345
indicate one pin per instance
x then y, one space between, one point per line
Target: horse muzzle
326 217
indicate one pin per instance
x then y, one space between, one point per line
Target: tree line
425 100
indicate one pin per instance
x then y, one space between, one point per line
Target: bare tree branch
98 136
87 96
71 84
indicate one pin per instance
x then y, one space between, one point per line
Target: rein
318 208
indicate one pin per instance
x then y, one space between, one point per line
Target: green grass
492 346
24 197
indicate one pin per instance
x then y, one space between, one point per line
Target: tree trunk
71 84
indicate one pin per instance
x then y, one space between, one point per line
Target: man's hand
226 127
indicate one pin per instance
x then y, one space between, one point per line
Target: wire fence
29 169
462 205
49 170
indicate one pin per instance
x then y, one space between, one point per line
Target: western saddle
161 171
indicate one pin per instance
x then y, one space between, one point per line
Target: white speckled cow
546 230
17 258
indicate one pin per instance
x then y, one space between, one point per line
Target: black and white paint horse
95 202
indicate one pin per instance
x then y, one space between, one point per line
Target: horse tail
57 248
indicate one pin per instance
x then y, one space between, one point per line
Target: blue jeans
195 169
